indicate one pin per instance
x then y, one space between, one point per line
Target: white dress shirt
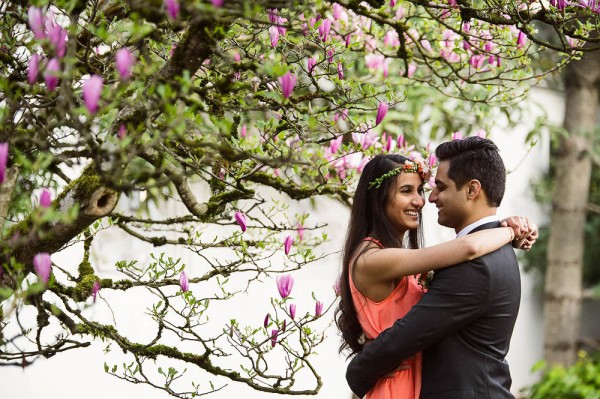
472 226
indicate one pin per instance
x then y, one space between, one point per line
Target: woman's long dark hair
368 218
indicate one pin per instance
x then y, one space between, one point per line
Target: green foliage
580 381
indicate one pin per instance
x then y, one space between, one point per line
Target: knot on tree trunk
101 203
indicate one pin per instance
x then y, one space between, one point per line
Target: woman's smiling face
404 205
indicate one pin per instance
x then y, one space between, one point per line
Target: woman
378 284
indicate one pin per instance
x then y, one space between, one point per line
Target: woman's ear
473 188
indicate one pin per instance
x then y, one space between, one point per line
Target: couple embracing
448 341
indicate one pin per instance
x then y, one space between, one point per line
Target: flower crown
416 163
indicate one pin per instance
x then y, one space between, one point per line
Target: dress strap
374 241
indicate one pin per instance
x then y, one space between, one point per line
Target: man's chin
442 222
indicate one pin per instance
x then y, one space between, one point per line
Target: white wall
80 373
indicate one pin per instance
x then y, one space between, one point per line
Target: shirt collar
474 225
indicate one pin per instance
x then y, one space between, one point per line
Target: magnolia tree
215 105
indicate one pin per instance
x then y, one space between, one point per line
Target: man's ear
473 189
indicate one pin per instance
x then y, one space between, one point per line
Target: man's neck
475 216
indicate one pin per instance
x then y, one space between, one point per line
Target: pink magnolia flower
318 309
274 36
122 132
412 68
389 144
457 136
92 88
237 57
330 54
310 64
400 13
477 61
324 29
337 11
287 245
593 5
240 218
449 55
335 144
392 3
45 198
426 45
287 82
340 70
285 284
374 61
560 4
480 133
124 60
448 37
400 141
183 282
172 8
95 290
33 68
348 39
343 115
42 265
244 130
51 74
218 3
521 39
381 112
272 12
337 286
391 39
266 321
58 37
280 22
36 22
274 337
300 232
292 311
432 160
3 160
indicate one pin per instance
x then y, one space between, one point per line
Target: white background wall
80 374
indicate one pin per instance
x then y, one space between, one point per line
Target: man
465 321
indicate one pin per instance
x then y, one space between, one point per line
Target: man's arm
457 296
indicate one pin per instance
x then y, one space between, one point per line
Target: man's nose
432 196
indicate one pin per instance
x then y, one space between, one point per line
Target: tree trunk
563 288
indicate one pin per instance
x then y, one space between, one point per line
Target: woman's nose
419 200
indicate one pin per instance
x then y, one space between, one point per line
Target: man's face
451 203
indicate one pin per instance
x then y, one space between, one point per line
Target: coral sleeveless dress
374 317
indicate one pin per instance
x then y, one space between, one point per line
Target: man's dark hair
475 158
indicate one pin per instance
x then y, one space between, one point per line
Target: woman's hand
526 232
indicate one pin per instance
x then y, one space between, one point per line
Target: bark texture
563 288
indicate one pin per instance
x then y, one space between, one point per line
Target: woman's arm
388 264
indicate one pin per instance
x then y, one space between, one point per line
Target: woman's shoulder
373 240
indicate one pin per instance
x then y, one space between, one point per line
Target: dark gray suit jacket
463 325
